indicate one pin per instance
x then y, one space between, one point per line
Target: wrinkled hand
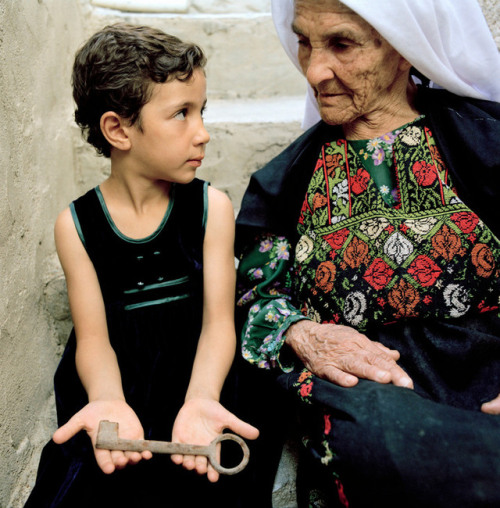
199 422
492 407
88 419
342 355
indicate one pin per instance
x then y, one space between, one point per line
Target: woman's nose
318 68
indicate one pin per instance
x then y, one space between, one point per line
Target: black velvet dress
152 289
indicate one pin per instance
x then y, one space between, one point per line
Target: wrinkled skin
359 80
363 84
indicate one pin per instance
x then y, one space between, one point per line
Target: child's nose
202 136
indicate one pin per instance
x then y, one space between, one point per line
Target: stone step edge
268 110
103 11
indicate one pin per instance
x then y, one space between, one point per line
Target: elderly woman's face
351 68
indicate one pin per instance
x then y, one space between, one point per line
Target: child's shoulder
218 198
65 221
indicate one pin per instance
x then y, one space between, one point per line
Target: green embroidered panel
360 259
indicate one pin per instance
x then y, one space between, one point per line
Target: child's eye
181 115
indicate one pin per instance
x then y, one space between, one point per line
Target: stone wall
37 42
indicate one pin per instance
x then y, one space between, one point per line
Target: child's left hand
199 422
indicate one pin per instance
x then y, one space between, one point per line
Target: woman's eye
340 44
181 115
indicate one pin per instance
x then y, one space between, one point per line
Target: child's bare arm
217 342
95 358
202 417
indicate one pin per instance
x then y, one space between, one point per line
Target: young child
149 264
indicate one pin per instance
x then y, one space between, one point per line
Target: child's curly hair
116 68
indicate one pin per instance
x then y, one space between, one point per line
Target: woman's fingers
342 355
492 407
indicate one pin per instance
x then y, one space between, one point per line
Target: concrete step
186 6
245 58
245 135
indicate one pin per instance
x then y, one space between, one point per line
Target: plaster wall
37 39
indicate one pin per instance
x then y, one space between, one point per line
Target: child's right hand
88 419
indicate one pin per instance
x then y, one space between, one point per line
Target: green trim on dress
127 238
77 223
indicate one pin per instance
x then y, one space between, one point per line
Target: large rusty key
107 439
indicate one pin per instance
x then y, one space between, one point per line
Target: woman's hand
88 419
199 422
492 407
342 355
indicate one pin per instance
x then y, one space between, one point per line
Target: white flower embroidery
398 247
354 308
338 218
304 248
373 227
456 298
411 135
312 313
341 192
421 226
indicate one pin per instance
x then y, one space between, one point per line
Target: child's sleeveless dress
152 290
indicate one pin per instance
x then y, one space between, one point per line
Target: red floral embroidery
404 298
379 274
447 244
425 173
472 237
328 424
340 490
337 239
424 270
359 182
305 390
467 222
486 308
483 260
325 275
356 253
303 211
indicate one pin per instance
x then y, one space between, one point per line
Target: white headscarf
448 41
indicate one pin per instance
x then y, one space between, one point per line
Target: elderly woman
370 254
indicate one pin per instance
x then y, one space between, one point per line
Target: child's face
171 144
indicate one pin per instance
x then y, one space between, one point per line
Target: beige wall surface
43 166
37 39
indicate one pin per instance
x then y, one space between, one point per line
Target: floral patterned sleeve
264 291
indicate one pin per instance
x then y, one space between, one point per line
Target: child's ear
114 129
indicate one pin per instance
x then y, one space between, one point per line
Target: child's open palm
88 419
199 422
